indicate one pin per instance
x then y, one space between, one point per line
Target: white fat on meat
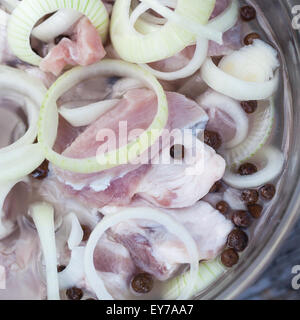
178 185
160 253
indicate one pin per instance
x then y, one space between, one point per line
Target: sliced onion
254 63
22 157
194 64
48 122
195 28
43 216
222 23
57 24
273 164
164 41
211 100
76 233
74 272
30 135
227 19
20 162
137 12
262 123
6 227
146 213
209 272
147 17
29 12
19 81
236 88
83 116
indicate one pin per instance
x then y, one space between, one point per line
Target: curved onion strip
274 163
30 134
137 12
7 227
20 158
48 121
139 213
149 18
43 216
20 162
12 79
208 272
235 88
83 116
197 29
223 22
194 64
165 41
29 12
74 272
76 233
227 19
231 107
57 24
262 122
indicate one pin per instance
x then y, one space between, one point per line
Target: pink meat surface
178 61
220 6
115 265
232 40
160 253
219 120
181 185
85 48
119 184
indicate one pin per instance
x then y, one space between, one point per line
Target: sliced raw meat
219 120
160 253
178 61
119 184
193 86
85 48
220 6
232 40
181 185
115 265
20 254
15 205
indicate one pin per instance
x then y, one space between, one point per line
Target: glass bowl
269 234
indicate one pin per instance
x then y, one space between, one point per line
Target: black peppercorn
237 240
142 283
229 258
